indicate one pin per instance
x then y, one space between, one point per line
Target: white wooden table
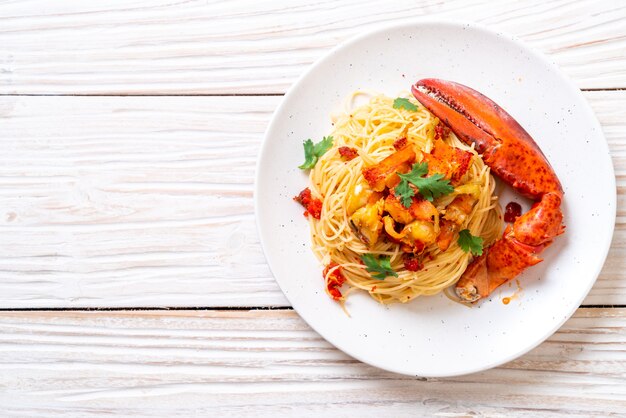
132 278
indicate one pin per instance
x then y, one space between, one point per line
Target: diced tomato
335 293
348 153
512 211
441 131
335 280
400 143
412 263
304 197
313 206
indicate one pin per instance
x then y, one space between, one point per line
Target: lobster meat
513 156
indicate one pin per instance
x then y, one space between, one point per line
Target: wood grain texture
262 363
145 201
245 46
131 201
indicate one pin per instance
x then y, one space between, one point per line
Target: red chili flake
335 280
373 288
441 131
348 153
512 211
412 263
313 206
400 143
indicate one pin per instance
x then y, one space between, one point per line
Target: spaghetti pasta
372 129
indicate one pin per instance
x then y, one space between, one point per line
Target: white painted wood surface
247 46
131 201
109 201
268 363
144 201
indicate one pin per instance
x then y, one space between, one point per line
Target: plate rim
456 24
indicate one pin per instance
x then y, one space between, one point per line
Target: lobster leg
513 156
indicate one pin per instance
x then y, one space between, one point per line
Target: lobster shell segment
506 147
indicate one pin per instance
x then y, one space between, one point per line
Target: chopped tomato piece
304 197
512 212
348 153
315 208
400 143
312 205
334 281
412 263
441 131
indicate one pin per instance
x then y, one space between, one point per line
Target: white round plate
433 336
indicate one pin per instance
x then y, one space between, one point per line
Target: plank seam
141 95
155 308
209 308
600 89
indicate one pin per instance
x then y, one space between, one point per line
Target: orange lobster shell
513 156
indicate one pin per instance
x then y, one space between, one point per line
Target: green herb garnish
381 266
402 103
468 242
312 152
430 187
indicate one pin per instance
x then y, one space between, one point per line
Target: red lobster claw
513 156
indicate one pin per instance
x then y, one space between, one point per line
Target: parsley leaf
402 103
309 156
430 187
405 193
380 266
312 152
324 145
468 242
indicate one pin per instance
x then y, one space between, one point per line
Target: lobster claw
505 146
512 155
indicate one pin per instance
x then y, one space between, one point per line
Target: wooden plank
144 201
260 363
245 46
123 201
611 285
